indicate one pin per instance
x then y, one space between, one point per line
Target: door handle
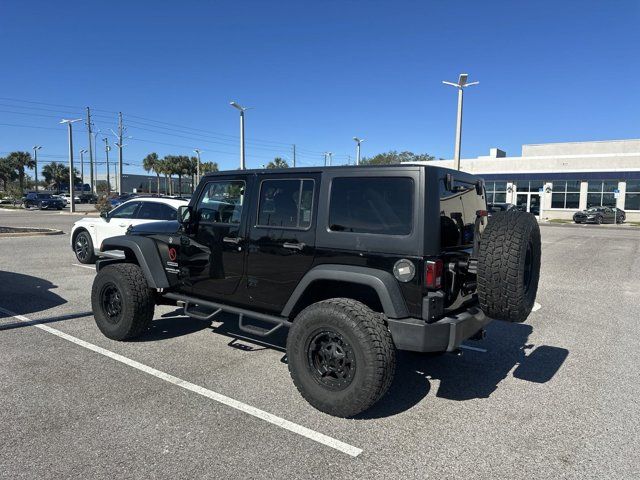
294 246
123 224
234 240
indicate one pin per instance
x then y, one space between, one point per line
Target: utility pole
82 152
93 185
242 110
294 155
358 142
72 205
461 85
330 154
95 163
119 144
35 160
325 158
197 150
107 148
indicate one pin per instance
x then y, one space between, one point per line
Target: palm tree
7 172
20 161
207 167
152 162
55 173
278 163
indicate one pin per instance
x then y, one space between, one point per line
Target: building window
600 193
496 192
632 196
529 186
566 194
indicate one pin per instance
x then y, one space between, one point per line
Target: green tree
164 167
7 172
152 163
278 163
57 174
20 162
393 157
208 167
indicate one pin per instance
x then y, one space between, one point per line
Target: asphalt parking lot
557 396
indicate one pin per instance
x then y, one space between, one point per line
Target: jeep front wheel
341 356
509 266
122 302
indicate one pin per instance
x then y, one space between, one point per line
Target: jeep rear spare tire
509 266
122 302
341 356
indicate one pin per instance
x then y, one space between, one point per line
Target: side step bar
189 302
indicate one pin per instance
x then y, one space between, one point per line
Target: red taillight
433 274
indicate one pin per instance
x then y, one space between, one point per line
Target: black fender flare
146 254
385 285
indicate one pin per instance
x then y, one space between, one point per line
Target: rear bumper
445 335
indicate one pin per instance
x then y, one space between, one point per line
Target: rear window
379 205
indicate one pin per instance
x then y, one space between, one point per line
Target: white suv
88 233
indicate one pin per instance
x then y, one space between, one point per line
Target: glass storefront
566 194
632 195
496 192
601 193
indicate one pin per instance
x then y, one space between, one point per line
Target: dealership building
558 179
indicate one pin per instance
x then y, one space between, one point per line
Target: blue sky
318 73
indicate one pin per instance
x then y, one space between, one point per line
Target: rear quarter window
375 205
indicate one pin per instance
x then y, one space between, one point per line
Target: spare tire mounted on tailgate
509 266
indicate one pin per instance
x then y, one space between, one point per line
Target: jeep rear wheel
122 302
341 356
509 266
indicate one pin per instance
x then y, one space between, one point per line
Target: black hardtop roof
344 168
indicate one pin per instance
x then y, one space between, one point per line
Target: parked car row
600 215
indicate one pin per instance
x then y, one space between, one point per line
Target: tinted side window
155 211
222 202
286 203
379 205
126 210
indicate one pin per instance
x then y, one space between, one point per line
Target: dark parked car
44 201
600 215
500 207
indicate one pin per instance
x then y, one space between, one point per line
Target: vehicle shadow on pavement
25 294
171 325
473 374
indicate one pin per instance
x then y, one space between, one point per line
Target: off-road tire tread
134 287
374 335
501 255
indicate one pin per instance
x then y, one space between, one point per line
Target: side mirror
184 214
105 215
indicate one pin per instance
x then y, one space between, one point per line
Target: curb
584 225
35 233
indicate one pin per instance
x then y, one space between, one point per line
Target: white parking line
475 349
83 266
230 402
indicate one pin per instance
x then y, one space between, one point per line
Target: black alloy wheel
331 359
111 303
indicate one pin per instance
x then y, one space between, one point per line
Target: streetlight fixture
461 85
35 160
197 152
82 152
242 110
72 205
358 142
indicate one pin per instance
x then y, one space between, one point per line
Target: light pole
119 174
72 205
95 164
107 149
358 142
35 161
82 152
197 151
242 110
461 85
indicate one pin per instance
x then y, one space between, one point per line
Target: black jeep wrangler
355 261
